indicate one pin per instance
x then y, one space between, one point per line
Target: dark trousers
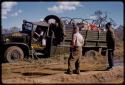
110 57
74 59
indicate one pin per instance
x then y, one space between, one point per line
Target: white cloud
92 17
41 19
64 6
16 13
6 8
4 17
70 3
19 11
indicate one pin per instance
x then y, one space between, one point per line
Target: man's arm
73 41
83 42
37 34
112 33
113 36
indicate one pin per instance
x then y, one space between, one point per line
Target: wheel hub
15 55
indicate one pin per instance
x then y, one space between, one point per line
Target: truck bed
92 38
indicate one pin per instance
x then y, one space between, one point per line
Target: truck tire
59 31
91 53
13 54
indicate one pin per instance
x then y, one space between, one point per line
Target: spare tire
57 19
47 18
59 30
13 54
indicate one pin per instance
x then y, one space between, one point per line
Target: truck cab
35 39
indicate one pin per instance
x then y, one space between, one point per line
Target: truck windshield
27 26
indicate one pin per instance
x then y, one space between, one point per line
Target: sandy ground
35 72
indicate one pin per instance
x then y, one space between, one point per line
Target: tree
14 29
10 30
119 32
5 31
102 18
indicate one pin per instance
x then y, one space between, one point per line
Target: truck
48 38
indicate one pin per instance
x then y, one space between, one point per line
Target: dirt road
37 73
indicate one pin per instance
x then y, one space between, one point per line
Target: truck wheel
91 53
13 54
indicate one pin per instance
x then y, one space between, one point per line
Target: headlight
6 40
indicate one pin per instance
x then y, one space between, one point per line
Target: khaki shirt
77 39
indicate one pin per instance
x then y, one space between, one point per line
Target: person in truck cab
38 34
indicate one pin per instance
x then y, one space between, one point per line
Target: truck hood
18 34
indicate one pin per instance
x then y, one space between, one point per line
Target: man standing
75 51
110 38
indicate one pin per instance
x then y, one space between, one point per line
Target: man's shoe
76 71
69 72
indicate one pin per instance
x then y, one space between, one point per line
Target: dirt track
25 72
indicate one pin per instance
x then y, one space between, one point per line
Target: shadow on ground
35 74
57 69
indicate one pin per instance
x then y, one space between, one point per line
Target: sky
13 13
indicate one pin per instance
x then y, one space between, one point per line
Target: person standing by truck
110 38
75 51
